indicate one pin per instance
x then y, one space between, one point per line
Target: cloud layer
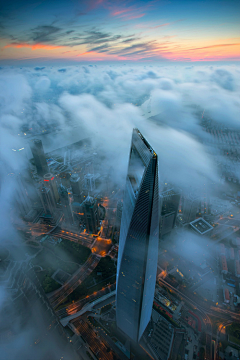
106 102
167 104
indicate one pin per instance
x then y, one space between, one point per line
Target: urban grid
100 260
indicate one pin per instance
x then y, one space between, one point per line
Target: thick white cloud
106 103
42 84
14 92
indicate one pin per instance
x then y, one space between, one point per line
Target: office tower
22 199
66 204
138 242
39 157
169 203
89 182
67 157
50 183
91 215
47 201
76 185
189 208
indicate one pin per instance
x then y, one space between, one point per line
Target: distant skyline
103 30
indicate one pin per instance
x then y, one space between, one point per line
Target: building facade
66 205
22 198
47 201
76 185
169 203
91 215
50 183
138 242
190 207
89 182
39 157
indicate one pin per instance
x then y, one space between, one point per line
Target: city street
59 295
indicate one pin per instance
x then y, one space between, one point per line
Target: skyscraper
76 188
91 215
190 208
39 157
89 181
169 203
47 201
50 183
138 243
66 205
22 198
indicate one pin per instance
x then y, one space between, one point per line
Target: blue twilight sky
198 30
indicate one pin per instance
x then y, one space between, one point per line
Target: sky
127 30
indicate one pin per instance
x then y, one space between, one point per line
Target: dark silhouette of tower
66 204
39 157
76 185
50 183
22 198
138 242
47 201
91 215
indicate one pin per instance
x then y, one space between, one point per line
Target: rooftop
201 226
226 293
89 200
224 263
145 142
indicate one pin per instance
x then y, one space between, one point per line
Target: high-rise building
39 157
50 183
169 203
76 185
138 242
189 208
47 201
89 182
91 215
66 205
22 198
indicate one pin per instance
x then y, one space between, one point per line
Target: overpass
87 307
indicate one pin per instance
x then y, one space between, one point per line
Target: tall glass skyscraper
138 242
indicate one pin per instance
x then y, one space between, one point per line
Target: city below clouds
106 102
94 70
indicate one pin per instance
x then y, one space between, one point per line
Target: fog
105 102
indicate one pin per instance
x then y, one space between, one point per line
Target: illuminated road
221 326
220 313
59 295
78 305
85 240
88 307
